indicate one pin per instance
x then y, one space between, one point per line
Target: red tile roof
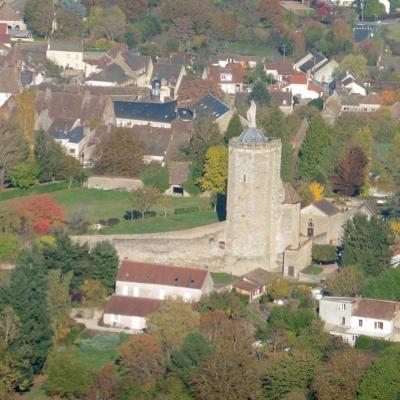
298 79
313 87
378 309
291 196
235 69
246 286
283 68
157 274
131 306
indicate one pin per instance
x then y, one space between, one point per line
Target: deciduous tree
317 191
118 153
105 385
349 281
172 322
107 23
142 359
25 175
143 199
350 173
355 64
215 170
39 16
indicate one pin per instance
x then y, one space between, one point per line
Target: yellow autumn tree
25 117
316 190
215 170
395 226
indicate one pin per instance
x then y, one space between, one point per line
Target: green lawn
312 270
99 350
246 48
393 32
382 150
164 224
223 278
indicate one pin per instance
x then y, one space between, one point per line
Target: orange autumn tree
389 97
39 211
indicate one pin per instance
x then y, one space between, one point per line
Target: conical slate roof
252 136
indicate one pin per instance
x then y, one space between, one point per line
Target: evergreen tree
260 94
235 128
313 148
366 244
105 264
68 256
26 294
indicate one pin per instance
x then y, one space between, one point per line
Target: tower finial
251 115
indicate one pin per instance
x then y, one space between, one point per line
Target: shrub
324 253
112 221
317 103
155 175
186 210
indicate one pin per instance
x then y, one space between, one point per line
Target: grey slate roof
135 61
73 136
308 65
66 45
168 73
251 136
157 112
326 207
210 107
112 73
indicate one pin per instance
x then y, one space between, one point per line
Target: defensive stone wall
114 183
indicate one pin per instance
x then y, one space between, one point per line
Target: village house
156 281
215 109
170 77
323 220
129 312
5 36
278 70
284 100
59 109
141 288
229 78
253 284
349 318
350 85
74 141
317 67
157 115
357 103
66 54
8 16
301 87
111 75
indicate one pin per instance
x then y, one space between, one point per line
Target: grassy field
245 48
392 32
312 270
164 224
105 204
223 278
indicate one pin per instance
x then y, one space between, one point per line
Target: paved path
92 325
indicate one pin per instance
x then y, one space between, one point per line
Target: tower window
244 177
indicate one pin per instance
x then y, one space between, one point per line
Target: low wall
114 183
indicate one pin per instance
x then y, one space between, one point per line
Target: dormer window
225 77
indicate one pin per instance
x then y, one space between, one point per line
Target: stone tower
255 197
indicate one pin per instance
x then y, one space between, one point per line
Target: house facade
229 78
66 54
350 318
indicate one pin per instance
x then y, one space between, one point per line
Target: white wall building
66 54
350 318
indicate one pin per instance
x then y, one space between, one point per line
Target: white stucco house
301 86
66 54
141 289
350 318
74 141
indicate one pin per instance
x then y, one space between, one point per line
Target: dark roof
291 196
155 140
132 306
73 136
281 98
157 274
210 107
309 64
112 73
178 172
251 136
244 285
157 112
258 276
135 61
326 207
379 309
168 74
26 78
66 45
